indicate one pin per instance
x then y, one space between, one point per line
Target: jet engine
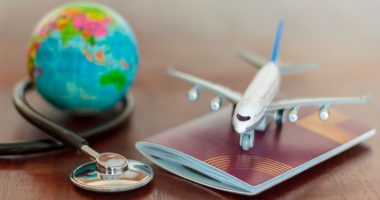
216 103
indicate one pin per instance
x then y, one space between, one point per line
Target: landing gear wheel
279 117
246 140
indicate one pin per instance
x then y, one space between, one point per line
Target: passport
206 150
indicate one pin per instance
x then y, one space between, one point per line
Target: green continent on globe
83 57
115 77
68 32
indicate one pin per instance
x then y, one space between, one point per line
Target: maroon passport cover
206 150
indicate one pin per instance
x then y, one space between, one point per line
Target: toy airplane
256 105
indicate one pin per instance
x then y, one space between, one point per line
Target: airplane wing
217 89
327 101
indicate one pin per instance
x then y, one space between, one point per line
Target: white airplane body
256 104
257 97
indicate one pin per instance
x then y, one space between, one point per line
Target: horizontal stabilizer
286 69
252 59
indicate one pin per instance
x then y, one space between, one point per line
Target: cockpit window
242 118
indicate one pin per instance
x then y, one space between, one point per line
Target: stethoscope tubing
62 135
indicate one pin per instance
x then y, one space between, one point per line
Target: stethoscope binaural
108 172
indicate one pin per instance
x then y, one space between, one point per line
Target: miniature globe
83 57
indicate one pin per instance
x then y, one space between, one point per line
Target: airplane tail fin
277 41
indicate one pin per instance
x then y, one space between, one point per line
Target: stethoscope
108 172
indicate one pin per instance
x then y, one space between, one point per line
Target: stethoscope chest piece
111 172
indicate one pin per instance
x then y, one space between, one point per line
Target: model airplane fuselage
256 104
257 97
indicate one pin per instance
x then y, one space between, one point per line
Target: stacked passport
206 150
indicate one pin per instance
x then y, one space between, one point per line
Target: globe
83 57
